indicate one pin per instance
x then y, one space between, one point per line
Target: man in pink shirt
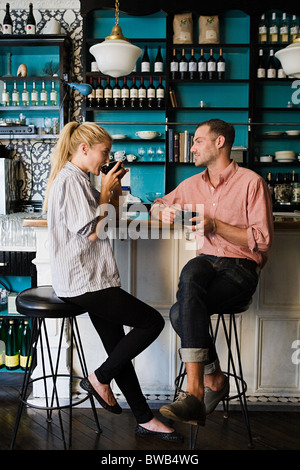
235 236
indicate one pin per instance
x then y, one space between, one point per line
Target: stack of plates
285 156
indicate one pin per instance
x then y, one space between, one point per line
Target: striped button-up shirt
78 265
241 199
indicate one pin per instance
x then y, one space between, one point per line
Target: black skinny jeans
110 309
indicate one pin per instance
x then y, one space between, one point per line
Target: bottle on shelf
221 66
142 94
262 30
158 62
116 94
295 197
30 23
15 97
7 22
125 100
2 342
192 66
202 66
280 72
108 94
183 66
25 346
271 67
294 28
270 184
273 29
19 333
133 94
5 98
25 95
34 96
151 94
211 66
160 94
145 62
43 95
11 352
91 96
99 94
261 66
284 30
53 95
174 66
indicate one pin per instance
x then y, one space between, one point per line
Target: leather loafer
87 386
212 398
165 436
186 408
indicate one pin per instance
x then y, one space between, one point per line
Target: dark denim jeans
209 285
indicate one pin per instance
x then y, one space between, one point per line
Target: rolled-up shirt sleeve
260 228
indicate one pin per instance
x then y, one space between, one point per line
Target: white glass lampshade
115 57
290 59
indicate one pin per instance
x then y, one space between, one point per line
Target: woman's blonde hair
71 136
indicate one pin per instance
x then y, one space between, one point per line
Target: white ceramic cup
119 155
130 157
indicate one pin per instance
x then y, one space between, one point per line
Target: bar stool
39 304
233 370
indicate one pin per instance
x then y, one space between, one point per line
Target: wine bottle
53 95
7 22
211 66
11 352
34 96
192 66
30 23
151 95
183 66
43 95
271 67
270 184
91 96
25 346
261 67
158 63
142 94
5 95
15 97
202 66
133 94
294 28
108 95
160 94
284 30
221 66
262 30
99 94
280 72
25 95
2 342
125 101
117 94
273 30
145 63
174 66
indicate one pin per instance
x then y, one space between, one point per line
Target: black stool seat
41 304
233 370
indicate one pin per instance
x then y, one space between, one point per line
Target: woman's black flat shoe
165 436
87 386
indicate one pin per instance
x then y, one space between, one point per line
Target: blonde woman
85 273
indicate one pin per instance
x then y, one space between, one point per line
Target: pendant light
290 58
116 56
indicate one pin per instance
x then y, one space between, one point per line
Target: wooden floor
271 430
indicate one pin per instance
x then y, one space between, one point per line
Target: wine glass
141 152
150 153
160 154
